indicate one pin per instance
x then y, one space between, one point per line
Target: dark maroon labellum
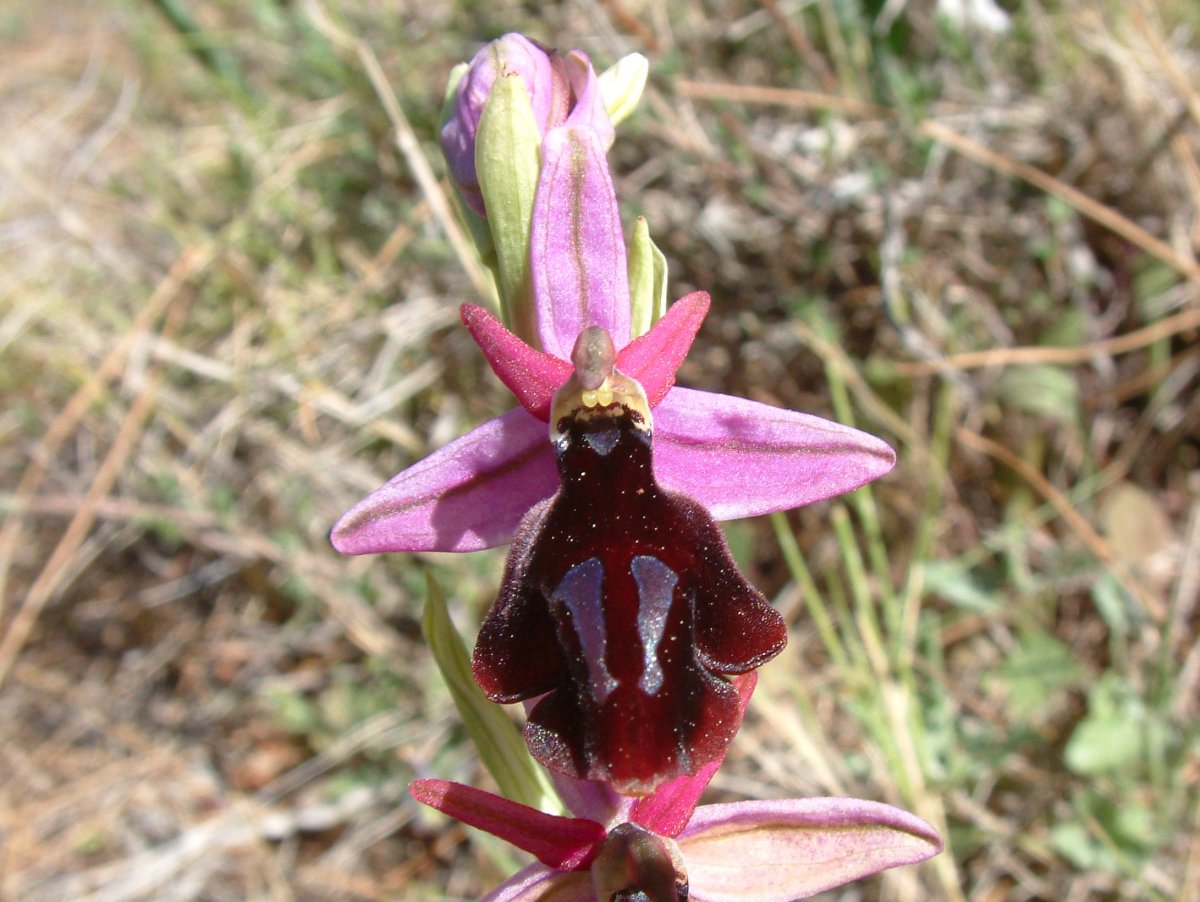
622 606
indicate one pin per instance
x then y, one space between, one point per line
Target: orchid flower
620 607
738 458
662 848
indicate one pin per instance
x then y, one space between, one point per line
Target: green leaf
1037 667
953 581
1099 746
1068 329
1112 737
1109 835
507 164
1046 391
1073 842
1152 284
621 85
500 745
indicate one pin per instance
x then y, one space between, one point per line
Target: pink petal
653 358
780 851
536 883
668 809
577 250
466 496
740 458
531 375
562 843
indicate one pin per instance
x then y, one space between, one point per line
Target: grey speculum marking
580 592
656 588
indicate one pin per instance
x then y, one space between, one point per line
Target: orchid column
622 620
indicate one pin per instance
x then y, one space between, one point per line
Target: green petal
507 163
500 745
621 85
647 280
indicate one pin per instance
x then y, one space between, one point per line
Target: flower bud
544 75
500 113
562 89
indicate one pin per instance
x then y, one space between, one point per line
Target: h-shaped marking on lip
581 590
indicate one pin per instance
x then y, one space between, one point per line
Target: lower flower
734 852
662 848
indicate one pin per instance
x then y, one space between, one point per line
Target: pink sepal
577 250
589 106
467 495
795 848
740 458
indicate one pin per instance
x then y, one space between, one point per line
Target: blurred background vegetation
228 310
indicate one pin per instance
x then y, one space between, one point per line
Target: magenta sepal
737 457
562 843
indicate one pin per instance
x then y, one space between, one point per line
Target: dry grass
227 310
